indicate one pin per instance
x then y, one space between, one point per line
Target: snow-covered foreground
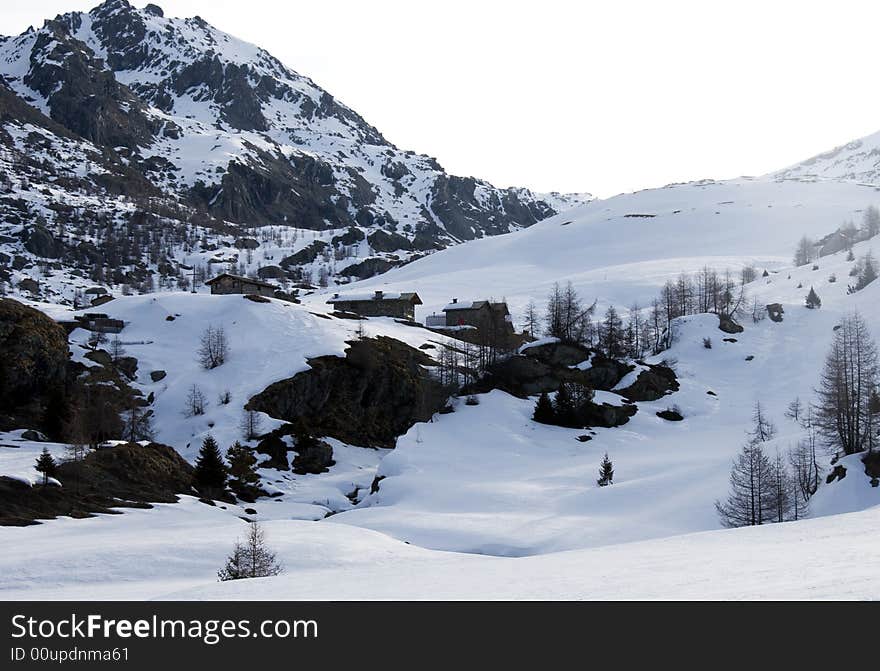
173 552
483 502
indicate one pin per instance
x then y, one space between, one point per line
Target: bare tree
764 429
848 382
871 222
531 320
137 424
795 410
805 252
195 402
117 351
750 499
250 424
213 347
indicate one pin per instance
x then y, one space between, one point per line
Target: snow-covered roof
410 296
240 278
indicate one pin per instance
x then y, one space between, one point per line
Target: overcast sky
603 96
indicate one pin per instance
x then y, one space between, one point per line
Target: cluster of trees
212 474
767 489
844 419
566 408
865 272
213 347
807 249
645 329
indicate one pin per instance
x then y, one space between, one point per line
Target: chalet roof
407 296
242 279
475 305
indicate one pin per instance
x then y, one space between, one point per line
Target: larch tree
848 382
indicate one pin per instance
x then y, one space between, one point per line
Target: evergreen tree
813 301
242 465
46 465
251 559
563 407
611 334
606 472
544 410
210 471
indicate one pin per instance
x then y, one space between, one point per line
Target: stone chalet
236 284
485 316
97 322
379 304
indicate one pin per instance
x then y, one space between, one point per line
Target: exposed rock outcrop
128 475
369 397
33 365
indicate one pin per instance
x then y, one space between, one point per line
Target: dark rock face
671 415
652 384
351 237
456 206
274 447
367 268
39 241
381 241
33 365
543 368
131 473
271 273
312 457
374 394
305 255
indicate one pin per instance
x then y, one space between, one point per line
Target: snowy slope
173 552
623 249
856 161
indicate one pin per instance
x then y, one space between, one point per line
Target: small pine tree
242 465
813 301
210 471
563 407
606 472
251 559
544 410
46 465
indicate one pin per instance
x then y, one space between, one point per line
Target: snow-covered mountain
856 161
122 114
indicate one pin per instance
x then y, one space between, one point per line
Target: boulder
728 325
369 397
157 375
652 384
40 242
312 456
775 311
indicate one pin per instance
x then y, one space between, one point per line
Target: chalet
236 284
486 316
95 322
379 304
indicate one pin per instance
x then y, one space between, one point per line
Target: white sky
604 97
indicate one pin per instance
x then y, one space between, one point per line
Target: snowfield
484 503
